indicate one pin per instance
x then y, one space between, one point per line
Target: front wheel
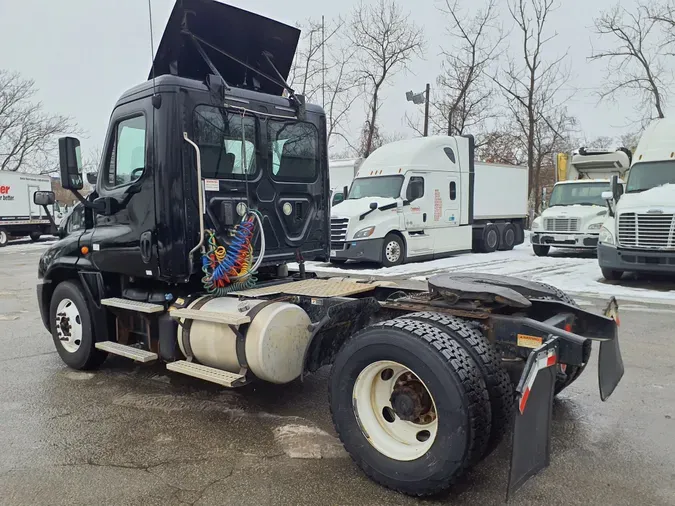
35 236
393 251
410 406
4 238
72 329
611 274
541 251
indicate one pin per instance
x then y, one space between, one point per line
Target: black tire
452 379
611 274
572 372
490 239
508 240
541 251
338 261
35 236
87 356
520 233
497 380
4 237
388 240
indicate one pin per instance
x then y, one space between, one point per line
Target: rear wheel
4 238
508 237
541 251
497 381
72 329
612 275
35 236
409 405
393 251
490 241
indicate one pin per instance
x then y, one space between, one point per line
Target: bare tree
27 133
385 41
532 89
634 56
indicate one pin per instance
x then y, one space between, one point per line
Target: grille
646 230
338 229
561 224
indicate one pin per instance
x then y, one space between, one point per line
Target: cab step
211 316
127 351
224 378
132 305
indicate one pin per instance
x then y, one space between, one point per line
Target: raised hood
240 33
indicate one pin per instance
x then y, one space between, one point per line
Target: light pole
418 99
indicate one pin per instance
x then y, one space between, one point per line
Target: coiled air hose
232 269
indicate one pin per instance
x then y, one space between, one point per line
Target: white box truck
427 198
576 209
19 216
639 235
342 173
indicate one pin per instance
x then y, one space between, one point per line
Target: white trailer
19 216
427 198
342 173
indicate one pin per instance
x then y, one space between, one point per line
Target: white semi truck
639 235
342 173
426 198
19 216
576 209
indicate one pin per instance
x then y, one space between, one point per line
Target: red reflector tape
523 400
551 360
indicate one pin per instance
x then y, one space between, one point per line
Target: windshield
648 175
580 194
220 136
386 186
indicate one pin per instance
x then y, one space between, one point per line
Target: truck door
35 211
418 214
125 241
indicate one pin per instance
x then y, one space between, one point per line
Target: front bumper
560 240
368 250
626 260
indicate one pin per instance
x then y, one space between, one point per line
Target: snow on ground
26 245
576 272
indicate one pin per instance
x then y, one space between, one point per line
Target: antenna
156 99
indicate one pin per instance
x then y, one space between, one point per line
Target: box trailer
427 198
342 173
19 216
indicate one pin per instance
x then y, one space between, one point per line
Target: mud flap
531 448
610 363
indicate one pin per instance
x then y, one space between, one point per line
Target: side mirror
92 177
617 189
71 163
42 198
373 205
345 192
607 195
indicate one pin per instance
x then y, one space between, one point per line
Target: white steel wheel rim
4 239
393 251
68 324
398 439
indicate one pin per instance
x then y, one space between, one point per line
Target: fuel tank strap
241 335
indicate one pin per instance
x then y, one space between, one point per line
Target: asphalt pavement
140 435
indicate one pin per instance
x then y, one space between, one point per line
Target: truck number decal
438 205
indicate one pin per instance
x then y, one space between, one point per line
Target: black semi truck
214 176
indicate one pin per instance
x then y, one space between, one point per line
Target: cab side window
126 158
76 220
415 189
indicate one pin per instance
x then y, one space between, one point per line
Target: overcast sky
83 54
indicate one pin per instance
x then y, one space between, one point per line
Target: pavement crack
28 356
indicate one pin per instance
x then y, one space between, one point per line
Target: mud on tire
489 364
453 381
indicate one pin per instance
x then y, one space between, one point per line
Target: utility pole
426 112
323 60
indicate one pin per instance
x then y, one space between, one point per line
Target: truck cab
576 209
639 235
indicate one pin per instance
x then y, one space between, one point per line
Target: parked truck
342 173
639 234
426 198
576 209
179 259
19 216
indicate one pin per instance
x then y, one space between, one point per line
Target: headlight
536 225
366 232
595 226
606 236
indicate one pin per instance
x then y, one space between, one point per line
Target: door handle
424 217
146 246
